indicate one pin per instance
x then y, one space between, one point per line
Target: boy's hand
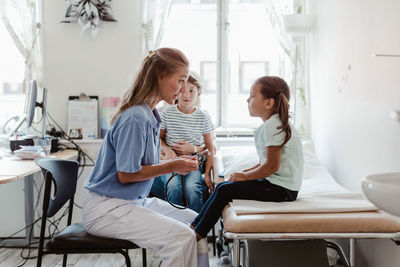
167 153
237 177
182 148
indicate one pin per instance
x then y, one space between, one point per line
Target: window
208 72
249 71
11 74
230 44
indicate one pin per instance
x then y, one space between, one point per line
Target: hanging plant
88 14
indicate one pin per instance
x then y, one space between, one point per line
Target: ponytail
282 108
276 88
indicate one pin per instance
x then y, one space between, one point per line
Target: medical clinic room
210 133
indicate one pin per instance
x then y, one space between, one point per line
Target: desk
12 170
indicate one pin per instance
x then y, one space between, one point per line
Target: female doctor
129 158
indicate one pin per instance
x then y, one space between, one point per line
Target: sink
384 191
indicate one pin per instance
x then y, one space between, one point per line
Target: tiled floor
11 258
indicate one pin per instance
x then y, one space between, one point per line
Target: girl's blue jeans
196 189
225 192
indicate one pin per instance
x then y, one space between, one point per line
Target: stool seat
75 236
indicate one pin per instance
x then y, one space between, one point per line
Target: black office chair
74 239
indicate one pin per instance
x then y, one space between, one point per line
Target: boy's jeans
194 186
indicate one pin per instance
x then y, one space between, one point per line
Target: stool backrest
63 174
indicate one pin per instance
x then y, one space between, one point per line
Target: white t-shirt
290 173
186 127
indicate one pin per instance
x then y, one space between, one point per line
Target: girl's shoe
202 247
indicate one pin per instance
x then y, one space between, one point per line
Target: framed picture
75 133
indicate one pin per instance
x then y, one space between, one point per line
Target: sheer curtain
154 16
295 49
20 18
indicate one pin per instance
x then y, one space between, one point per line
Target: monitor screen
31 98
31 105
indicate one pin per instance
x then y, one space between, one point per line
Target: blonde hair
194 79
163 61
276 88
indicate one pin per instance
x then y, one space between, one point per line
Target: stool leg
144 257
64 264
213 240
125 253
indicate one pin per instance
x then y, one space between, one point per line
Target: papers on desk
29 152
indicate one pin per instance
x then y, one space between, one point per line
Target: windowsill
235 141
234 132
234 136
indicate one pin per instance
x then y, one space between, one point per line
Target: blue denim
225 192
195 187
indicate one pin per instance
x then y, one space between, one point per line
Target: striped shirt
185 127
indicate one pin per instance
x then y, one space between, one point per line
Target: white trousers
149 223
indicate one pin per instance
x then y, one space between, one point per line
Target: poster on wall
107 110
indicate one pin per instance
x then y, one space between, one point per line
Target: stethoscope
201 158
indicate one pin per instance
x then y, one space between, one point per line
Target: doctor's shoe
202 247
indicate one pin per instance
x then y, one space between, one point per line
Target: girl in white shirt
278 176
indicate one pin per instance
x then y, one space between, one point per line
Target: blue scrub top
132 141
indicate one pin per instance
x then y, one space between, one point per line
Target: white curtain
296 52
154 17
21 21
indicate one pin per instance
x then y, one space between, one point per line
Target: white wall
102 66
353 133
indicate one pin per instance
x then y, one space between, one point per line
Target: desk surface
7 178
12 169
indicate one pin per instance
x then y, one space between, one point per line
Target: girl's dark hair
163 61
276 88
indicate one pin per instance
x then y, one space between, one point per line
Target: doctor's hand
182 148
184 165
237 177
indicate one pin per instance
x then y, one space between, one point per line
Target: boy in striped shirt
186 130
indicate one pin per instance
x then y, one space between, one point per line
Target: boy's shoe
202 246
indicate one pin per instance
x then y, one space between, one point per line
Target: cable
8 237
76 146
185 199
82 156
29 249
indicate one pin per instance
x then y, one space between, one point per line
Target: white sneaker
202 247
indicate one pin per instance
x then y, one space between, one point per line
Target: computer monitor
30 108
31 105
